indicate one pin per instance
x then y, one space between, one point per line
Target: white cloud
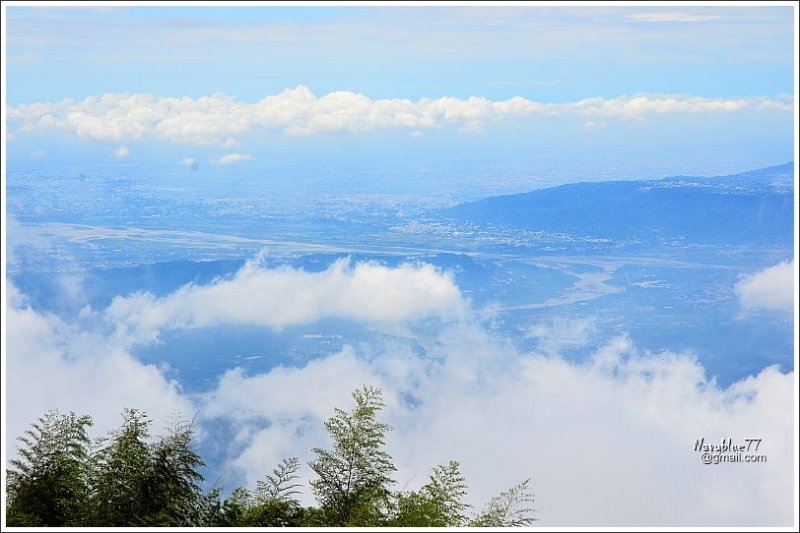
189 161
591 125
53 364
609 442
230 142
122 151
640 106
562 332
227 159
216 119
671 16
281 297
622 421
771 288
254 396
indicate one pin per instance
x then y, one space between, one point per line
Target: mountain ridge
753 207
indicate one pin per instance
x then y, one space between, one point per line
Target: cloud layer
608 441
282 297
227 159
771 288
216 119
671 16
54 364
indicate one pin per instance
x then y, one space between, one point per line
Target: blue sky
553 54
616 89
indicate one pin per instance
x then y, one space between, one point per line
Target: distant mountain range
755 207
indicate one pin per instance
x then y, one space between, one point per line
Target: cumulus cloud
591 125
217 119
227 159
561 333
625 420
671 16
54 364
607 442
189 162
277 298
771 288
122 151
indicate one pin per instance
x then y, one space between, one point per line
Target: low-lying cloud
227 159
608 440
276 298
53 364
218 119
771 288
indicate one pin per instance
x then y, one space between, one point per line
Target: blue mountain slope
775 179
750 208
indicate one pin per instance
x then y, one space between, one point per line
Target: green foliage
510 508
231 511
414 509
122 474
207 510
438 504
447 488
353 480
273 513
47 485
61 479
172 484
280 485
274 504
